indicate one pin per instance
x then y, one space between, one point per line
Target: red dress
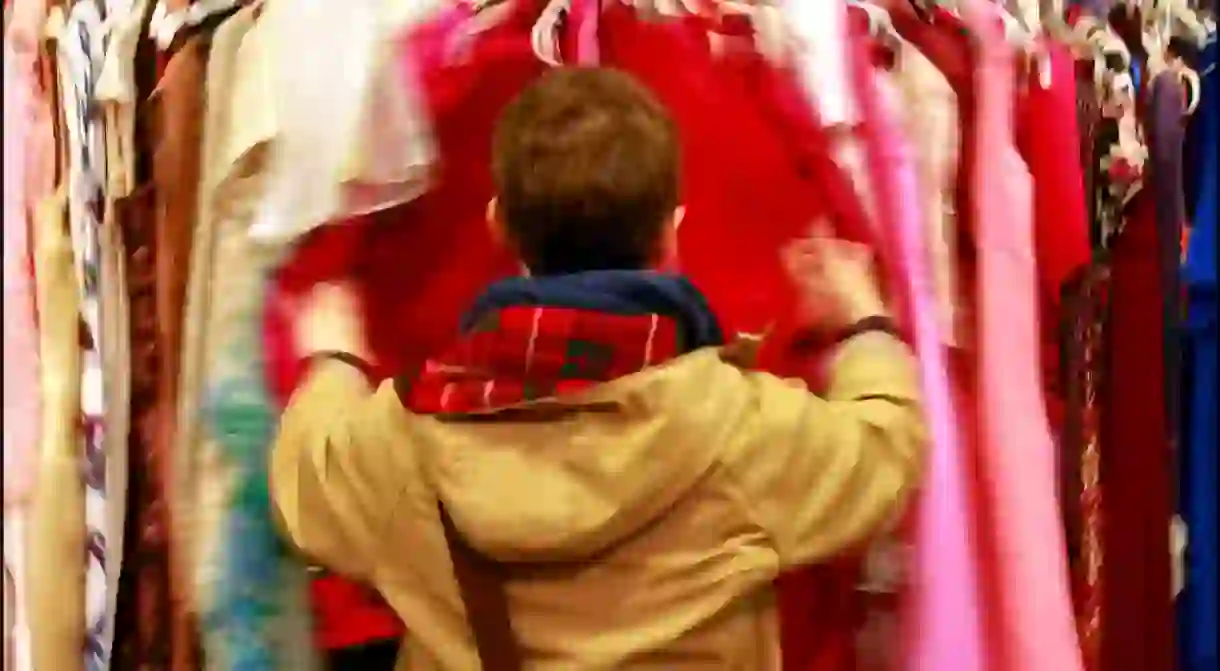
1049 141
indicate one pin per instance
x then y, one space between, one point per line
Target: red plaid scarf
523 353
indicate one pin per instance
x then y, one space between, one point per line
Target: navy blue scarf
622 292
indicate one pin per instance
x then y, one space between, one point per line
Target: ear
495 223
676 219
668 253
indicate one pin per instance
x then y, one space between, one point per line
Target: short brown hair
585 163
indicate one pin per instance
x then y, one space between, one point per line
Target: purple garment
1164 122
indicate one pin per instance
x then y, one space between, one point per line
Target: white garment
193 528
820 29
932 126
116 91
350 82
16 626
81 55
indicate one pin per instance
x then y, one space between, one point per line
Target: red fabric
523 353
1136 467
1049 141
879 55
365 617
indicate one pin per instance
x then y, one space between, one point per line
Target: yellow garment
56 542
642 538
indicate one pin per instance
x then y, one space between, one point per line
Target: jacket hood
564 480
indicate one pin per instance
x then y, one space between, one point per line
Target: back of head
585 163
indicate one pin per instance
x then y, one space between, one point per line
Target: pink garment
1033 621
22 414
943 619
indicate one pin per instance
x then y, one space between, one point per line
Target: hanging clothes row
178 174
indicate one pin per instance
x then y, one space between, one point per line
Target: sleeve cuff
808 340
366 369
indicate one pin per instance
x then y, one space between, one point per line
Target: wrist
864 307
819 339
360 363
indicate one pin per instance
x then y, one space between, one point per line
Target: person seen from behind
586 478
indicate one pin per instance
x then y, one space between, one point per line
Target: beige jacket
642 538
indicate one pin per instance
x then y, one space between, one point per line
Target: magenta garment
21 372
943 618
1033 618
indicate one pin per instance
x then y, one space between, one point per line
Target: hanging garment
16 598
1113 162
945 42
178 106
144 615
1137 463
821 30
242 562
1165 119
1199 612
116 95
116 362
1085 315
55 574
1034 627
1048 139
22 395
353 89
80 62
1138 625
29 180
193 479
945 627
931 118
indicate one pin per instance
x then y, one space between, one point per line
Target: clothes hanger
544 36
880 24
1194 88
480 6
487 15
1156 37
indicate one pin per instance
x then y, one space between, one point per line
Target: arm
823 475
334 475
